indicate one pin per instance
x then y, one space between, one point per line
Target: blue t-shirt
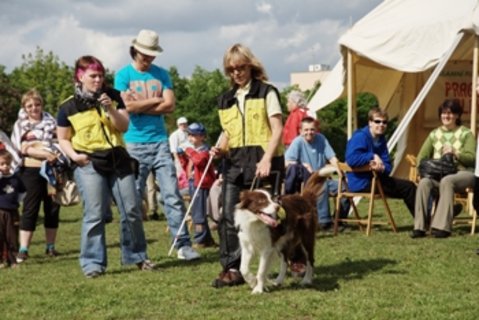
316 153
144 128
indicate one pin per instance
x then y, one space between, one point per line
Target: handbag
68 194
437 168
115 160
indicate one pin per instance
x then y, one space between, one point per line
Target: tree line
195 96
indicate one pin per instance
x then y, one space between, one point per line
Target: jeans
322 203
157 157
199 214
96 191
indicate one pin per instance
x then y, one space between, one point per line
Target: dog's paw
250 280
257 290
274 283
306 281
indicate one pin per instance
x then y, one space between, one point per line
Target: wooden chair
375 194
463 198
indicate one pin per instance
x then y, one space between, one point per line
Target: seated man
311 151
368 146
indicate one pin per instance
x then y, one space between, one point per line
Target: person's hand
263 168
216 152
308 167
377 164
50 157
128 96
81 159
105 101
447 148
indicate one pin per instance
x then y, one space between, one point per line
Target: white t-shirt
177 138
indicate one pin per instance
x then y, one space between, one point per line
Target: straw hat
147 43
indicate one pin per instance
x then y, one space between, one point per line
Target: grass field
384 276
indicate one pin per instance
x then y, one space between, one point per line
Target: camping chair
464 198
375 193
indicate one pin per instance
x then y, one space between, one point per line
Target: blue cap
196 128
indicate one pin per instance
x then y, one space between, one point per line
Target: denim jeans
199 214
322 203
96 191
156 156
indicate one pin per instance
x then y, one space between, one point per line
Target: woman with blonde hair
251 119
34 134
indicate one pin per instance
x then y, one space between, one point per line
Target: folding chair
463 198
375 193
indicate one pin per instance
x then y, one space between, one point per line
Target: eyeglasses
239 68
384 122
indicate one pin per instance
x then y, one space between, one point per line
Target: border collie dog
267 228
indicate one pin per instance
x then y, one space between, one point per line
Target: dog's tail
313 188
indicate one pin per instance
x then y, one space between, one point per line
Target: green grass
384 276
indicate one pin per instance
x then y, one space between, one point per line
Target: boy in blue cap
197 152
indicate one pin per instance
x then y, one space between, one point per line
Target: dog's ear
245 198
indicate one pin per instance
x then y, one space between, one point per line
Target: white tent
411 54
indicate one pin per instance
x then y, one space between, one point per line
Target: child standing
198 155
11 192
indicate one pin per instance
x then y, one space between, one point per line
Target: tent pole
475 63
352 112
398 133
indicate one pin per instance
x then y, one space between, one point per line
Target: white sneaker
187 253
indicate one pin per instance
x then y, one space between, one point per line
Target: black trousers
37 192
399 189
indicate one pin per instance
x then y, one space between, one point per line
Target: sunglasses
240 68
384 122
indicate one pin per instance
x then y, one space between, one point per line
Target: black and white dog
267 228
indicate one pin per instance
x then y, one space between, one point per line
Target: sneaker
146 265
228 279
93 274
22 256
207 244
52 252
187 253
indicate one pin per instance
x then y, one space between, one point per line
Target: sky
286 35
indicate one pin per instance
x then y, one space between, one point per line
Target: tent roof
400 36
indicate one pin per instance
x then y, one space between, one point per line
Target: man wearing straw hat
148 95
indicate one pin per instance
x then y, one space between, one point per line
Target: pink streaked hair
87 62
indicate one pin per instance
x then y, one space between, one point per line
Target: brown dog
266 227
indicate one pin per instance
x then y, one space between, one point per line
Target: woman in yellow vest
90 127
251 119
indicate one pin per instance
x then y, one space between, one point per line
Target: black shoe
417 234
457 209
436 233
52 253
228 279
325 226
155 216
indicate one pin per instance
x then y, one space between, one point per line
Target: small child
12 191
198 156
